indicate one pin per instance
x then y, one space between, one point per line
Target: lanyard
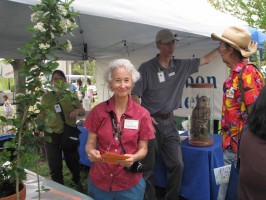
118 132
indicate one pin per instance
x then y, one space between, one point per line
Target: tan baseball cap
165 36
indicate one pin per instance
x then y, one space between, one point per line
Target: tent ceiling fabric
119 28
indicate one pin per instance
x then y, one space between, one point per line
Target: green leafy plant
53 21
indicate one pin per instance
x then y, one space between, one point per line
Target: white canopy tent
126 29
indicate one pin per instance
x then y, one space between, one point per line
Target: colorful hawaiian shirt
234 110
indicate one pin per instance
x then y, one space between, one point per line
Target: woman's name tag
131 124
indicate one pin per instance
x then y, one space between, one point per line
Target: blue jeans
134 193
229 156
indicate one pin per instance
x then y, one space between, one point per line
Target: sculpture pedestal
201 143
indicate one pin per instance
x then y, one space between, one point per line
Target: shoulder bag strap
241 88
118 132
241 85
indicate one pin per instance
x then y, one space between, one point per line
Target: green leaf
10 145
51 57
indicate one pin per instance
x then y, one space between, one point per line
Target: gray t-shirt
163 95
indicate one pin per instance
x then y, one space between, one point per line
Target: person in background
89 91
71 109
160 89
252 174
113 181
74 87
79 90
8 108
235 48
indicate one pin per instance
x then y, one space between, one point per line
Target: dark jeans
55 157
169 146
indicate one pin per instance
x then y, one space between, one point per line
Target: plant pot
22 195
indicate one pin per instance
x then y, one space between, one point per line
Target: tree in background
251 11
78 69
53 21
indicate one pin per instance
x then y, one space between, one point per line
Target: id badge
57 108
171 74
161 77
131 124
230 93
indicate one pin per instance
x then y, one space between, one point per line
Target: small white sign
171 74
131 124
222 174
161 77
57 108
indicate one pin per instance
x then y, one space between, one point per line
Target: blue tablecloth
7 136
4 138
198 181
83 158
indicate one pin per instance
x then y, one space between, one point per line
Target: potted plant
53 20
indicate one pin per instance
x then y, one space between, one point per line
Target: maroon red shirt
113 176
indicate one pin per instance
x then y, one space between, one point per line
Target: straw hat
239 39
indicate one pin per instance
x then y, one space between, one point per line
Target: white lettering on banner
198 79
182 111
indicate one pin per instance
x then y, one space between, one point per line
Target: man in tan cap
235 48
160 89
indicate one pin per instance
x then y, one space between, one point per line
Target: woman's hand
94 156
139 155
127 162
74 114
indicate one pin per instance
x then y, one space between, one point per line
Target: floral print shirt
234 110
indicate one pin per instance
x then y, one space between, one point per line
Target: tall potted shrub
52 21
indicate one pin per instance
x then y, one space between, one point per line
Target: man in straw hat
160 89
235 48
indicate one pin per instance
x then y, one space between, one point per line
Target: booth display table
4 138
198 181
53 190
7 136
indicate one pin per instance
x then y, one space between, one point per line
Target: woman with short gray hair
119 130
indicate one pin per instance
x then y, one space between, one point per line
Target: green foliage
54 19
251 11
78 69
